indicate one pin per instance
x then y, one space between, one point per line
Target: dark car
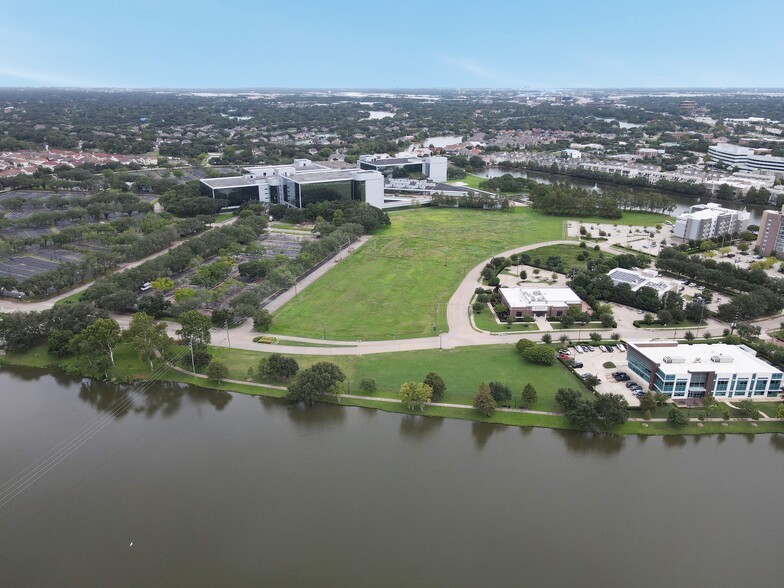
577 364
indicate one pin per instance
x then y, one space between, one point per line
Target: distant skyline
339 44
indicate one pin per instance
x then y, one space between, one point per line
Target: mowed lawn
397 285
462 369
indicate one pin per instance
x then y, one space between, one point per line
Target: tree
689 336
582 414
591 381
367 386
749 410
567 398
611 409
547 338
539 354
100 337
484 401
59 343
709 404
500 392
595 337
436 384
529 395
195 329
523 344
648 318
146 337
262 320
414 395
315 382
676 417
162 284
6 282
648 402
217 371
280 366
615 336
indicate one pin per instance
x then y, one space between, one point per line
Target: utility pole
226 326
193 361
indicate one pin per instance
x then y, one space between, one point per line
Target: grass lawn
567 253
72 299
470 180
127 362
223 216
462 370
397 285
486 322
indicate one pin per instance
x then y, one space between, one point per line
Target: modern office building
706 221
433 168
694 371
297 185
770 240
549 302
638 278
746 158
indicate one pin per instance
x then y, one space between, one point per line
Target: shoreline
502 416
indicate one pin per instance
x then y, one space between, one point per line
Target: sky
518 44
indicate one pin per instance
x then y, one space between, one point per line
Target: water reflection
674 440
482 432
419 426
161 399
594 443
106 398
777 441
318 416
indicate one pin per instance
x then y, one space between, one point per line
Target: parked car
578 348
621 347
577 365
630 384
564 356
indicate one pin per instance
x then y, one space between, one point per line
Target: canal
188 487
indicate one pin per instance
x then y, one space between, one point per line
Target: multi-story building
746 158
706 221
433 168
694 371
770 240
297 185
549 302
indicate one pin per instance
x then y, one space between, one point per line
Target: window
740 386
680 386
760 387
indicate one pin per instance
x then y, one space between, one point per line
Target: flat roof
324 175
523 297
232 182
393 161
674 358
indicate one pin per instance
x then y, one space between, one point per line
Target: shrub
367 386
484 401
499 392
524 344
436 384
676 417
539 354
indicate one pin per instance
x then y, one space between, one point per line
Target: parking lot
593 363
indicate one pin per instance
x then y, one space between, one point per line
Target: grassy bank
129 367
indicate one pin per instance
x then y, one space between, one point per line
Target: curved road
461 332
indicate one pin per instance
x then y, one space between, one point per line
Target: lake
682 203
214 489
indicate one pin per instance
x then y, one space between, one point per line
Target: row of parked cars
603 348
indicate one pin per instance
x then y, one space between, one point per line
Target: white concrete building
696 371
746 158
433 168
706 221
637 278
549 302
297 185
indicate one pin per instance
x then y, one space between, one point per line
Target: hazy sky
399 44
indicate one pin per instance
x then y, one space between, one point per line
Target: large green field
462 370
567 253
397 285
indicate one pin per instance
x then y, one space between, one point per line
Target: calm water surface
215 489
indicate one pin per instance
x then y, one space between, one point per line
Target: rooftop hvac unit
670 359
722 359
